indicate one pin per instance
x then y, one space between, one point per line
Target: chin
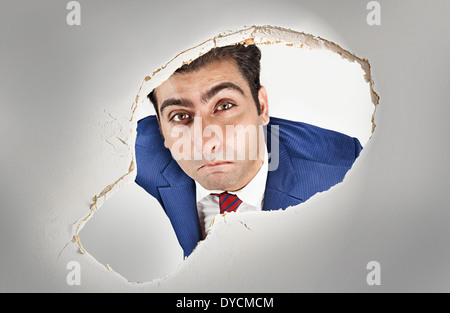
219 181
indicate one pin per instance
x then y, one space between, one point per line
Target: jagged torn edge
259 35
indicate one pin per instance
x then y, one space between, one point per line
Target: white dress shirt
252 196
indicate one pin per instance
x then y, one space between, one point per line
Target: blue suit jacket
311 159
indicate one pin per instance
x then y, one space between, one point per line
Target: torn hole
323 85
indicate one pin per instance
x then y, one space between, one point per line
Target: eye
224 106
179 117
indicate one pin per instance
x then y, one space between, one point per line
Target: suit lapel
275 200
180 204
282 180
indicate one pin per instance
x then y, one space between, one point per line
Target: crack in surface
258 35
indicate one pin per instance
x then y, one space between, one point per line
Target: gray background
60 85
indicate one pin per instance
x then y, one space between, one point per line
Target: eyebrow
179 102
205 97
216 89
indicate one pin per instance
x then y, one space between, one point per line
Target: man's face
200 115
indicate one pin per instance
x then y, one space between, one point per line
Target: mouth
213 164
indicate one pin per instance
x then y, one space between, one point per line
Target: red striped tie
227 202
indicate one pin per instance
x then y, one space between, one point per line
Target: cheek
242 142
178 141
184 166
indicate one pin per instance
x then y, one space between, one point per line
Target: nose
208 139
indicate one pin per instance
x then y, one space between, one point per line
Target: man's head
247 59
206 99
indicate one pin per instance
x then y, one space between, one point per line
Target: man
214 167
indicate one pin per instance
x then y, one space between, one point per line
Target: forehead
196 82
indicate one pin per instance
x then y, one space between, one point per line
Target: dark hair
247 59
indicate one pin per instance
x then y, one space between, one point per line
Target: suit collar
179 201
282 177
174 175
181 208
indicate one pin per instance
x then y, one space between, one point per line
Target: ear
264 104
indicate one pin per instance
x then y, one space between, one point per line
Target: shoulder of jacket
309 142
